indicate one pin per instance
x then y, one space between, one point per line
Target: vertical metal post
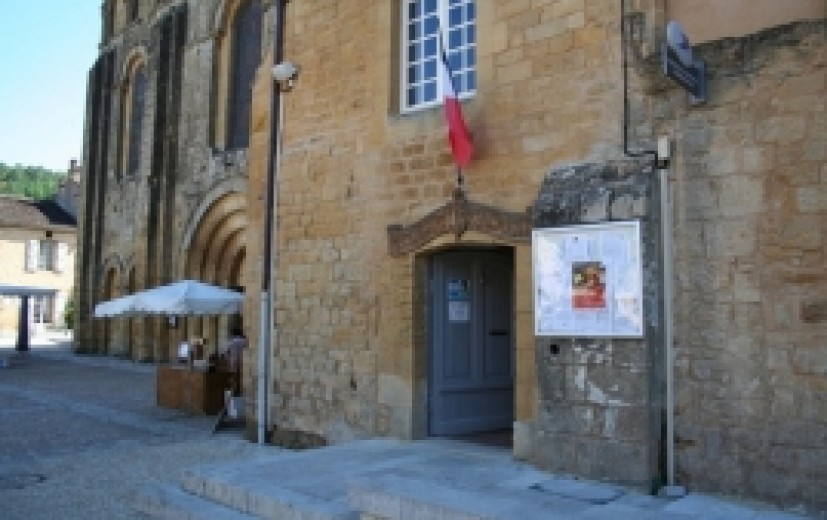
23 325
672 489
264 341
267 293
666 241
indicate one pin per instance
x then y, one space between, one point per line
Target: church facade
401 294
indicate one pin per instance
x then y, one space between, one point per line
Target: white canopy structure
183 298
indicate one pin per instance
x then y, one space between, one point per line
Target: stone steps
266 499
381 480
392 480
168 502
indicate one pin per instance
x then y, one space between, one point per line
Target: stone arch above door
215 237
457 217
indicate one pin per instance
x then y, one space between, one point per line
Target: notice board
588 280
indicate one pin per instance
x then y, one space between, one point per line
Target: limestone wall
706 20
549 87
601 399
750 209
747 179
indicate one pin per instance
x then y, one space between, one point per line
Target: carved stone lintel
456 217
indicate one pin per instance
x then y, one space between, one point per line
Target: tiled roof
23 212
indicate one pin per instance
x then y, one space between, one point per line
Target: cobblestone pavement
79 434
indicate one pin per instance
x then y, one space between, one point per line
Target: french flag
461 145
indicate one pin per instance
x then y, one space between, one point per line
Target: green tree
30 181
69 314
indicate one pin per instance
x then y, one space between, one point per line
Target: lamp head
285 73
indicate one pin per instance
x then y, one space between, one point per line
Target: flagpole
460 179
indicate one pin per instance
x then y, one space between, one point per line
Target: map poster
588 280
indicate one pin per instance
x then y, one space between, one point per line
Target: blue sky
48 47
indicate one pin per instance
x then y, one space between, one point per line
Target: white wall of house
20 265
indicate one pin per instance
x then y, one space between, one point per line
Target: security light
285 72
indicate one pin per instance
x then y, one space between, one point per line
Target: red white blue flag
462 146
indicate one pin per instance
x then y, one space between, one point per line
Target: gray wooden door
470 382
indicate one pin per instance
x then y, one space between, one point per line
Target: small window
430 27
133 10
246 56
136 114
46 255
109 20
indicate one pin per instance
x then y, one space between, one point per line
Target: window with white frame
46 255
422 23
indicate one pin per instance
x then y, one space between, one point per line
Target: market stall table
194 390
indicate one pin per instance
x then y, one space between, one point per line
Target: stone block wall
353 164
748 184
749 181
601 400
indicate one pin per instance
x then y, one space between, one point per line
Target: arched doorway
215 251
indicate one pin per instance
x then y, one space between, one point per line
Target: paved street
78 435
82 438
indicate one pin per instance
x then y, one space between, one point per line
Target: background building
68 191
37 243
405 307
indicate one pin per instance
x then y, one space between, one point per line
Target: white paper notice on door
459 311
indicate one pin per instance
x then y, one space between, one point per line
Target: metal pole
262 365
667 323
23 325
266 317
672 489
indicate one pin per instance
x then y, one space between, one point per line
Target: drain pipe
267 346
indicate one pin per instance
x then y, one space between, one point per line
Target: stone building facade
404 303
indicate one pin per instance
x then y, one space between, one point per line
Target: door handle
498 332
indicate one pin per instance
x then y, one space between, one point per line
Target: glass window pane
412 97
413 76
454 38
455 60
429 91
414 52
472 34
430 6
455 16
430 47
471 80
414 31
414 9
470 58
431 25
430 69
